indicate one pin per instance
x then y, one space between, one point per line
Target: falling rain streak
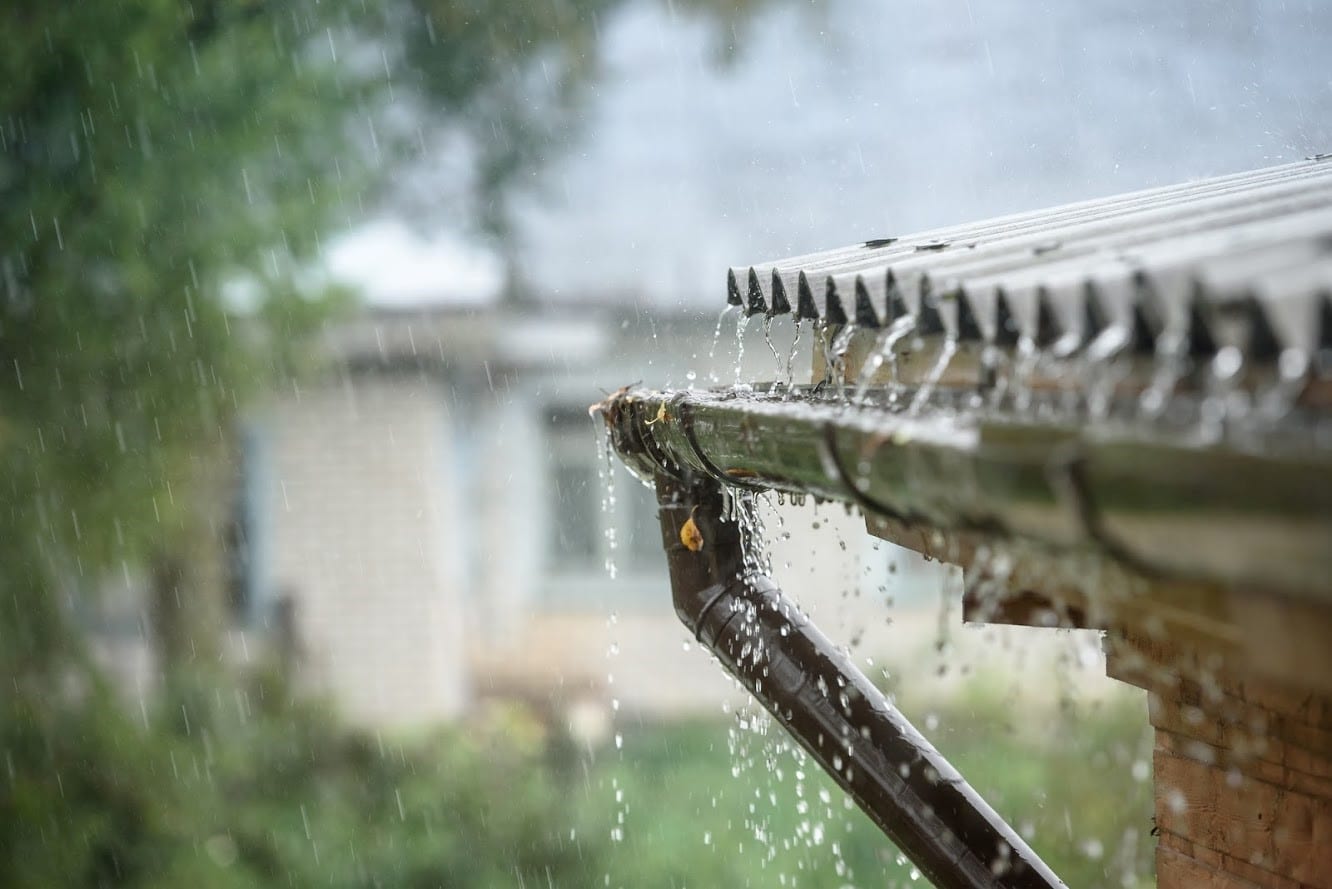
950 370
290 595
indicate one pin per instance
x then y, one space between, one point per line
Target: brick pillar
1243 770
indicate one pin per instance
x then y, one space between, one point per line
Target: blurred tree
166 173
504 82
287 797
151 153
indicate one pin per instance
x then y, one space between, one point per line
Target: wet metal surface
906 786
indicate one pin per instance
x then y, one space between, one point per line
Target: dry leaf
690 536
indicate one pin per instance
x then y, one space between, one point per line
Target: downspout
906 786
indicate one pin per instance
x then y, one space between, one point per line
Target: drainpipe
909 790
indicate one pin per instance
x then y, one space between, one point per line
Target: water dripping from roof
841 345
776 358
741 324
716 336
885 352
926 390
790 360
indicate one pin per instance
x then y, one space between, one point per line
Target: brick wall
1243 771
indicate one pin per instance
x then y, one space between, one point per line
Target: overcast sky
869 118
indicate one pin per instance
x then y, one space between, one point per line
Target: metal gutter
896 776
1167 507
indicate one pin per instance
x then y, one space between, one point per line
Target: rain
371 373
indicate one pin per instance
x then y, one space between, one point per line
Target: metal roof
1243 260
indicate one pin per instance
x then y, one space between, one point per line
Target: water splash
885 352
741 325
1277 398
1022 373
716 338
1104 373
841 344
606 474
776 358
620 806
823 344
1171 366
790 358
996 375
716 333
751 729
926 390
766 763
1225 402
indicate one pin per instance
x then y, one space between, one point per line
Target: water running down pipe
906 786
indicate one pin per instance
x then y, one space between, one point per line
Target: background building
432 520
425 520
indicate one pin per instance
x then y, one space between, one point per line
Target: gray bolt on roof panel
1243 260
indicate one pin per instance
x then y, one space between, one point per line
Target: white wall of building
360 532
414 517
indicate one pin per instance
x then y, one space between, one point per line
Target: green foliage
692 822
278 794
151 153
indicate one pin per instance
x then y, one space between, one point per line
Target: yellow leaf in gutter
690 536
